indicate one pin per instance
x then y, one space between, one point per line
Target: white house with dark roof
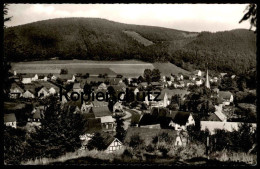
15 91
10 120
52 90
180 120
107 121
102 86
35 77
197 73
227 96
28 94
198 81
26 79
43 92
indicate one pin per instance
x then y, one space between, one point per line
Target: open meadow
127 68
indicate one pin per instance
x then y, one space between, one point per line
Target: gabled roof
9 117
213 117
159 112
225 94
180 117
43 88
29 87
220 115
15 85
148 119
41 76
108 139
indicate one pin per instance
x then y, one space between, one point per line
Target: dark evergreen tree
120 131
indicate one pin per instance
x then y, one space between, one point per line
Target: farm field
127 68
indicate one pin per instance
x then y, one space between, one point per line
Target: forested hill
100 39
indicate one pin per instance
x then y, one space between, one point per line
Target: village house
172 78
28 94
112 144
163 78
42 77
43 92
15 91
192 77
69 78
227 97
197 73
198 81
100 110
169 83
222 74
10 120
179 76
35 77
180 120
150 101
181 84
102 86
37 115
136 91
52 90
27 78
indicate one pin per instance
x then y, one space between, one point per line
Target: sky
188 17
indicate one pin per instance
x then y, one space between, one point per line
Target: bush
136 142
150 148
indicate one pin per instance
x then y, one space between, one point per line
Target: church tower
207 80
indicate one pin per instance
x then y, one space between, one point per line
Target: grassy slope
126 67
